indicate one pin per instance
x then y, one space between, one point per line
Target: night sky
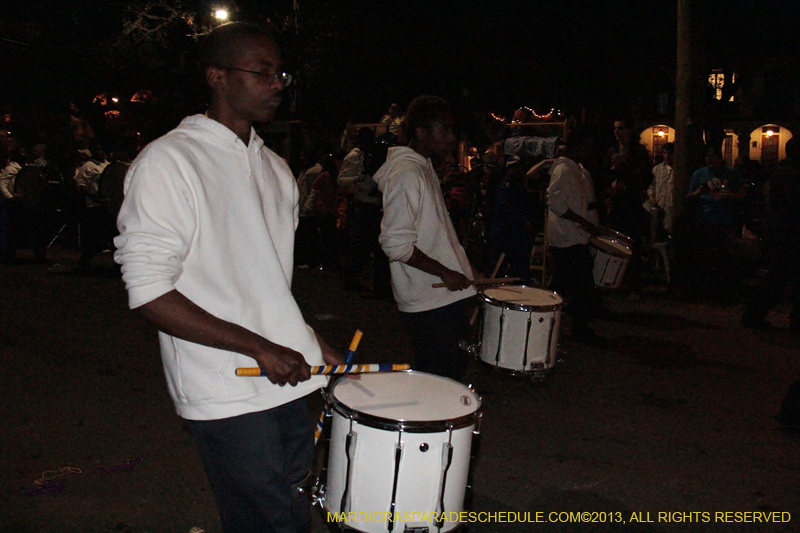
353 58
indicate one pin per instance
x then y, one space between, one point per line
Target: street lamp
221 14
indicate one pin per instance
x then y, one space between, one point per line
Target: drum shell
373 473
420 468
608 268
505 330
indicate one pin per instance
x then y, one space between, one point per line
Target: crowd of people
38 205
213 223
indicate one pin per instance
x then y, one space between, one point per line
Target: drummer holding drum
568 232
206 239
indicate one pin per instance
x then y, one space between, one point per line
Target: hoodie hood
220 134
396 155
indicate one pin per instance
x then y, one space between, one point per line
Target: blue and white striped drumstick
335 369
348 359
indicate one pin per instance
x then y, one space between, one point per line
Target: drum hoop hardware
398 454
618 278
527 339
476 438
500 337
521 307
408 426
550 340
349 449
603 276
447 460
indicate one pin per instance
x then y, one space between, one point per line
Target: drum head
612 246
408 397
30 184
520 296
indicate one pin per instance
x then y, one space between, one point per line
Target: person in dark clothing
782 233
624 177
511 228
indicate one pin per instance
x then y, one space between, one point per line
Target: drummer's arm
176 315
455 281
582 222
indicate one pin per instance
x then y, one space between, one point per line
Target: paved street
676 416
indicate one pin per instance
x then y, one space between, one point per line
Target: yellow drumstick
333 369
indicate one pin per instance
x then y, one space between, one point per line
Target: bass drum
110 188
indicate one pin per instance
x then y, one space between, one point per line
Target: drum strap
398 454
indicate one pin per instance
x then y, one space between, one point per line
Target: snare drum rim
521 307
408 426
615 235
613 252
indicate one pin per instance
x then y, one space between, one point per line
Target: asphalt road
669 426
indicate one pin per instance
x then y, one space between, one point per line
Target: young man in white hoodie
421 243
206 243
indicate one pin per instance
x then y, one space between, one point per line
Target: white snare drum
611 257
520 328
400 443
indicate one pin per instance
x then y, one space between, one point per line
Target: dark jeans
98 229
713 272
573 278
252 461
367 229
435 337
784 268
27 229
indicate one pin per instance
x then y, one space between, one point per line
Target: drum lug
472 348
316 493
416 529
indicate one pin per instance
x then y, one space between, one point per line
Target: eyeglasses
283 78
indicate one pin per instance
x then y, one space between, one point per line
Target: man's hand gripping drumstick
453 280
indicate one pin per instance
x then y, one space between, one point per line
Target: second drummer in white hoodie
421 243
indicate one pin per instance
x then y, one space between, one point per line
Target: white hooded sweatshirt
414 214
214 218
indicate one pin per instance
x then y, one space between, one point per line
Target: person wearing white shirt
568 233
97 226
421 243
659 193
8 174
206 243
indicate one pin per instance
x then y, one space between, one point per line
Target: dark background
353 58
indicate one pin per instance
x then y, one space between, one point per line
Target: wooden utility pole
688 111
689 114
